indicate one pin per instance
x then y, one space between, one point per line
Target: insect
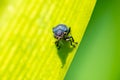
62 32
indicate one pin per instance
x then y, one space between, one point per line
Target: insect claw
76 42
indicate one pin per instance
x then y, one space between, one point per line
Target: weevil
62 32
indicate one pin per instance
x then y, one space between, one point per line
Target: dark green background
98 56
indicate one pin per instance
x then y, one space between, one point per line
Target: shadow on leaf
64 51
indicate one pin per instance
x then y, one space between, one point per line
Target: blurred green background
98 56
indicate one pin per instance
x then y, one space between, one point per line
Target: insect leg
72 39
57 44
